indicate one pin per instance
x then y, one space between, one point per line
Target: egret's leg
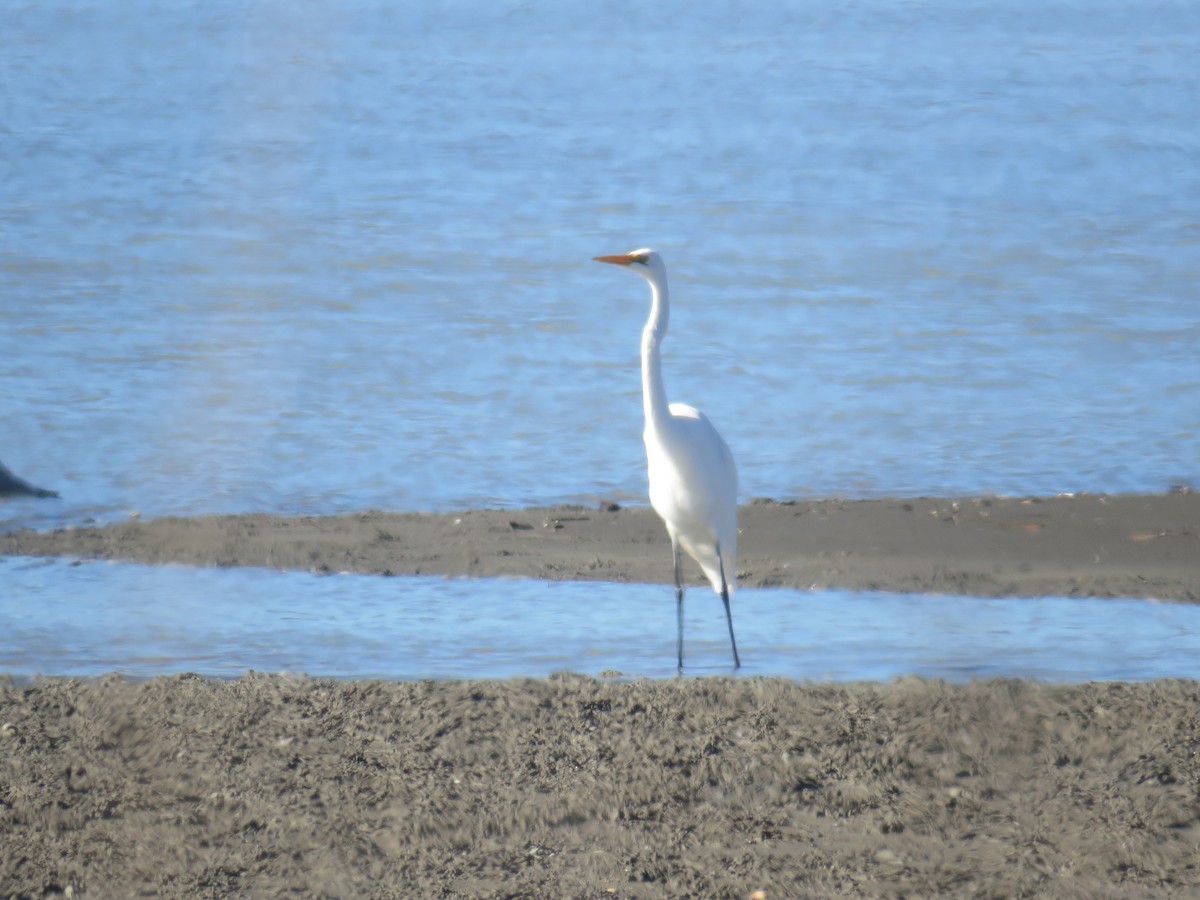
678 601
737 663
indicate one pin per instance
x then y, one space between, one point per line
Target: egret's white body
693 480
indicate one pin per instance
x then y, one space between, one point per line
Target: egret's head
645 262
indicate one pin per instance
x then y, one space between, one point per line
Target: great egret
693 481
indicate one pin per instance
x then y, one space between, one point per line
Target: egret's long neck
654 394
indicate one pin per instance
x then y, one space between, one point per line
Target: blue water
143 621
327 256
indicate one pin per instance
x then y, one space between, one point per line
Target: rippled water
144 621
324 257
313 258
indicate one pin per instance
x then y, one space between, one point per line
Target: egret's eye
641 259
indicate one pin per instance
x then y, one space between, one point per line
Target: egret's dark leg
678 602
737 663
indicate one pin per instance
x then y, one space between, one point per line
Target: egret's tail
711 565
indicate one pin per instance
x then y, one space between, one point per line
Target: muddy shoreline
1081 545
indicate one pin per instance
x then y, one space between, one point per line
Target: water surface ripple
330 257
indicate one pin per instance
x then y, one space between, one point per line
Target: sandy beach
578 787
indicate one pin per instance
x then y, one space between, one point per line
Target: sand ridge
1079 545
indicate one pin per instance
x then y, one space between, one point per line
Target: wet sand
574 787
579 787
1084 545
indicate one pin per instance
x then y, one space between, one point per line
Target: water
143 621
321 257
318 258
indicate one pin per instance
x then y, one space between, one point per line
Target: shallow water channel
143 621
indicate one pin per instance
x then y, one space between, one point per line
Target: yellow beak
620 259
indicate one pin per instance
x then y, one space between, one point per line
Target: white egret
693 481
